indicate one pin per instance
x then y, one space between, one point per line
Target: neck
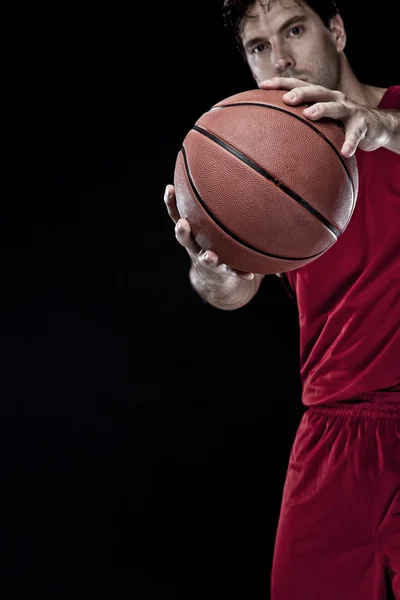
367 95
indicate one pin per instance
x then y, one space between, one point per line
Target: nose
282 65
281 60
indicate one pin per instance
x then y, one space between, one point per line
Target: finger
170 201
182 234
311 93
239 274
208 258
333 110
354 135
283 83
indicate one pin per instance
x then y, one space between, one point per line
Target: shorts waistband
380 405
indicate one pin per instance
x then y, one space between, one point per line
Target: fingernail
290 96
347 149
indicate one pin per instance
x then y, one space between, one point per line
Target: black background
145 435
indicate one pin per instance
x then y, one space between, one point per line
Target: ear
338 32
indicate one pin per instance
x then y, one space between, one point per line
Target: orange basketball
262 186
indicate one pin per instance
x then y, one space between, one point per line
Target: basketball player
338 534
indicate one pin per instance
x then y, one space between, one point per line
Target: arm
366 128
216 283
391 124
225 293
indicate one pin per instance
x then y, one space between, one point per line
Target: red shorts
338 535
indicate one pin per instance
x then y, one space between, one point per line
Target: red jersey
349 298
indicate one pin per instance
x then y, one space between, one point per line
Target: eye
298 29
258 49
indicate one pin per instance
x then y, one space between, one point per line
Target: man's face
290 40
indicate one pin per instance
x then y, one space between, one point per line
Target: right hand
203 259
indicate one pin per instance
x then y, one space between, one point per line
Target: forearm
228 293
391 122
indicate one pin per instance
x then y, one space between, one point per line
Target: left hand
363 126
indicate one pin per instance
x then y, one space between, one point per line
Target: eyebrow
285 25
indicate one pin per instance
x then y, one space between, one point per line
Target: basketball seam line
253 165
309 124
230 233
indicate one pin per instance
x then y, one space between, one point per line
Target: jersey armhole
288 288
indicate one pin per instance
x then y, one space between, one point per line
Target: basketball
262 186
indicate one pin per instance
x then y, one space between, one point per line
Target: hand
207 260
364 128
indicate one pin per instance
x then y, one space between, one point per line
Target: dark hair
233 12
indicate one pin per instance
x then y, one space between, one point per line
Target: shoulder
380 93
375 95
390 97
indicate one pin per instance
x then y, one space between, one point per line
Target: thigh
325 545
387 504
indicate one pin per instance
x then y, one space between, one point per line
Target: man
339 527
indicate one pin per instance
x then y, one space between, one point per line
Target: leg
388 510
325 545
